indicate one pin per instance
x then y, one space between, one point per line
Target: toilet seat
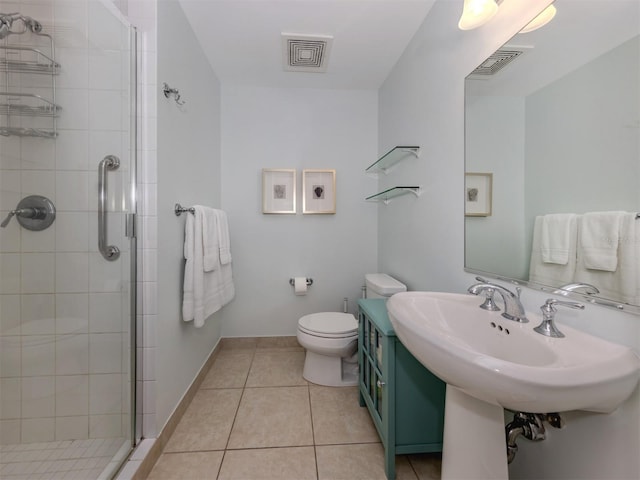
329 325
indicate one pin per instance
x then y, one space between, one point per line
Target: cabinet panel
405 400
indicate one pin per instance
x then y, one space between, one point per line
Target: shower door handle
109 252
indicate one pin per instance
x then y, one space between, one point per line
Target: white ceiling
242 38
581 31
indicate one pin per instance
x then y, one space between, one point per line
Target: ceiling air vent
305 53
498 60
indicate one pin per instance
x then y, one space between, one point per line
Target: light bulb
476 13
541 20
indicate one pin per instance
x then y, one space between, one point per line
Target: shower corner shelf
386 195
393 156
28 60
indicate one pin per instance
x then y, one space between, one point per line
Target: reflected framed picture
477 194
318 191
278 190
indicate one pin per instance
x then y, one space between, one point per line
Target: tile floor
62 460
255 417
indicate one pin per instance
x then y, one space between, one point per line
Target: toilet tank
381 285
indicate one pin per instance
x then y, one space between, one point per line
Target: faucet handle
489 303
552 302
548 327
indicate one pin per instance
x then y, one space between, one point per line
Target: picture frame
278 191
318 191
478 194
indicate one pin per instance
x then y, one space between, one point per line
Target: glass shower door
66 309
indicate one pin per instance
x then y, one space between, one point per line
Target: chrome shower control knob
34 212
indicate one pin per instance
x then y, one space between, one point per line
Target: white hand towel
223 237
203 291
187 290
551 274
599 240
558 235
621 285
210 239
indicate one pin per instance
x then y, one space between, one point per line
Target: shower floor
66 459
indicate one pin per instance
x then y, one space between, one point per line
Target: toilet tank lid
383 284
329 322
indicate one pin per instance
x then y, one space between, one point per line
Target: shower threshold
66 459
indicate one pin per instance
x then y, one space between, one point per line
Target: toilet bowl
331 338
331 342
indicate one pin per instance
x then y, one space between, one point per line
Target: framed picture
477 194
318 191
278 190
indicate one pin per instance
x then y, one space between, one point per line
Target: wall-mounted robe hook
168 91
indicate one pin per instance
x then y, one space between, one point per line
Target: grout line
313 432
235 416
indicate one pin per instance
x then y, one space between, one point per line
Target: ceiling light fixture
476 13
541 20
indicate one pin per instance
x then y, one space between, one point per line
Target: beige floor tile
241 343
339 418
207 422
229 369
275 369
428 466
279 343
184 466
295 463
272 417
358 462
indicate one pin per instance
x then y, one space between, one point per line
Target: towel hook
168 91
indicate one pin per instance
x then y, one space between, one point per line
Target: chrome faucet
586 288
548 327
513 309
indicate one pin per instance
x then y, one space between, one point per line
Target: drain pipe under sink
531 427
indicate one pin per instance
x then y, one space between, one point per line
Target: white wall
421 240
189 172
565 137
495 142
301 129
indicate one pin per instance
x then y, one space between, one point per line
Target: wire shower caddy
28 71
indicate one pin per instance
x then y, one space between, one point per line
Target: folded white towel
623 284
204 292
210 238
223 237
187 289
599 240
558 235
551 274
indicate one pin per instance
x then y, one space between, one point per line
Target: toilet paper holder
309 282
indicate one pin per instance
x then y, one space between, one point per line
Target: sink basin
506 363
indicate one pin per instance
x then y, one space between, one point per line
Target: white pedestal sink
490 363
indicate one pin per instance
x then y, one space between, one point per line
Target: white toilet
331 338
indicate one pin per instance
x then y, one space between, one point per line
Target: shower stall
67 239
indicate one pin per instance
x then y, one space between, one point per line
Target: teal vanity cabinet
405 400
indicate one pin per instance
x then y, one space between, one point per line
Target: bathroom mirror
555 118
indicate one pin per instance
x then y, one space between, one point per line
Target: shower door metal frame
132 234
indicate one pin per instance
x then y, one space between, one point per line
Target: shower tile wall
63 341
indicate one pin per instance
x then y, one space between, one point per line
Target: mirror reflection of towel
558 237
599 239
552 274
621 285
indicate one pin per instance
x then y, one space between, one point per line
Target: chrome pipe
109 252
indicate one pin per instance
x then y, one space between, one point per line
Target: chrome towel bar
179 209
